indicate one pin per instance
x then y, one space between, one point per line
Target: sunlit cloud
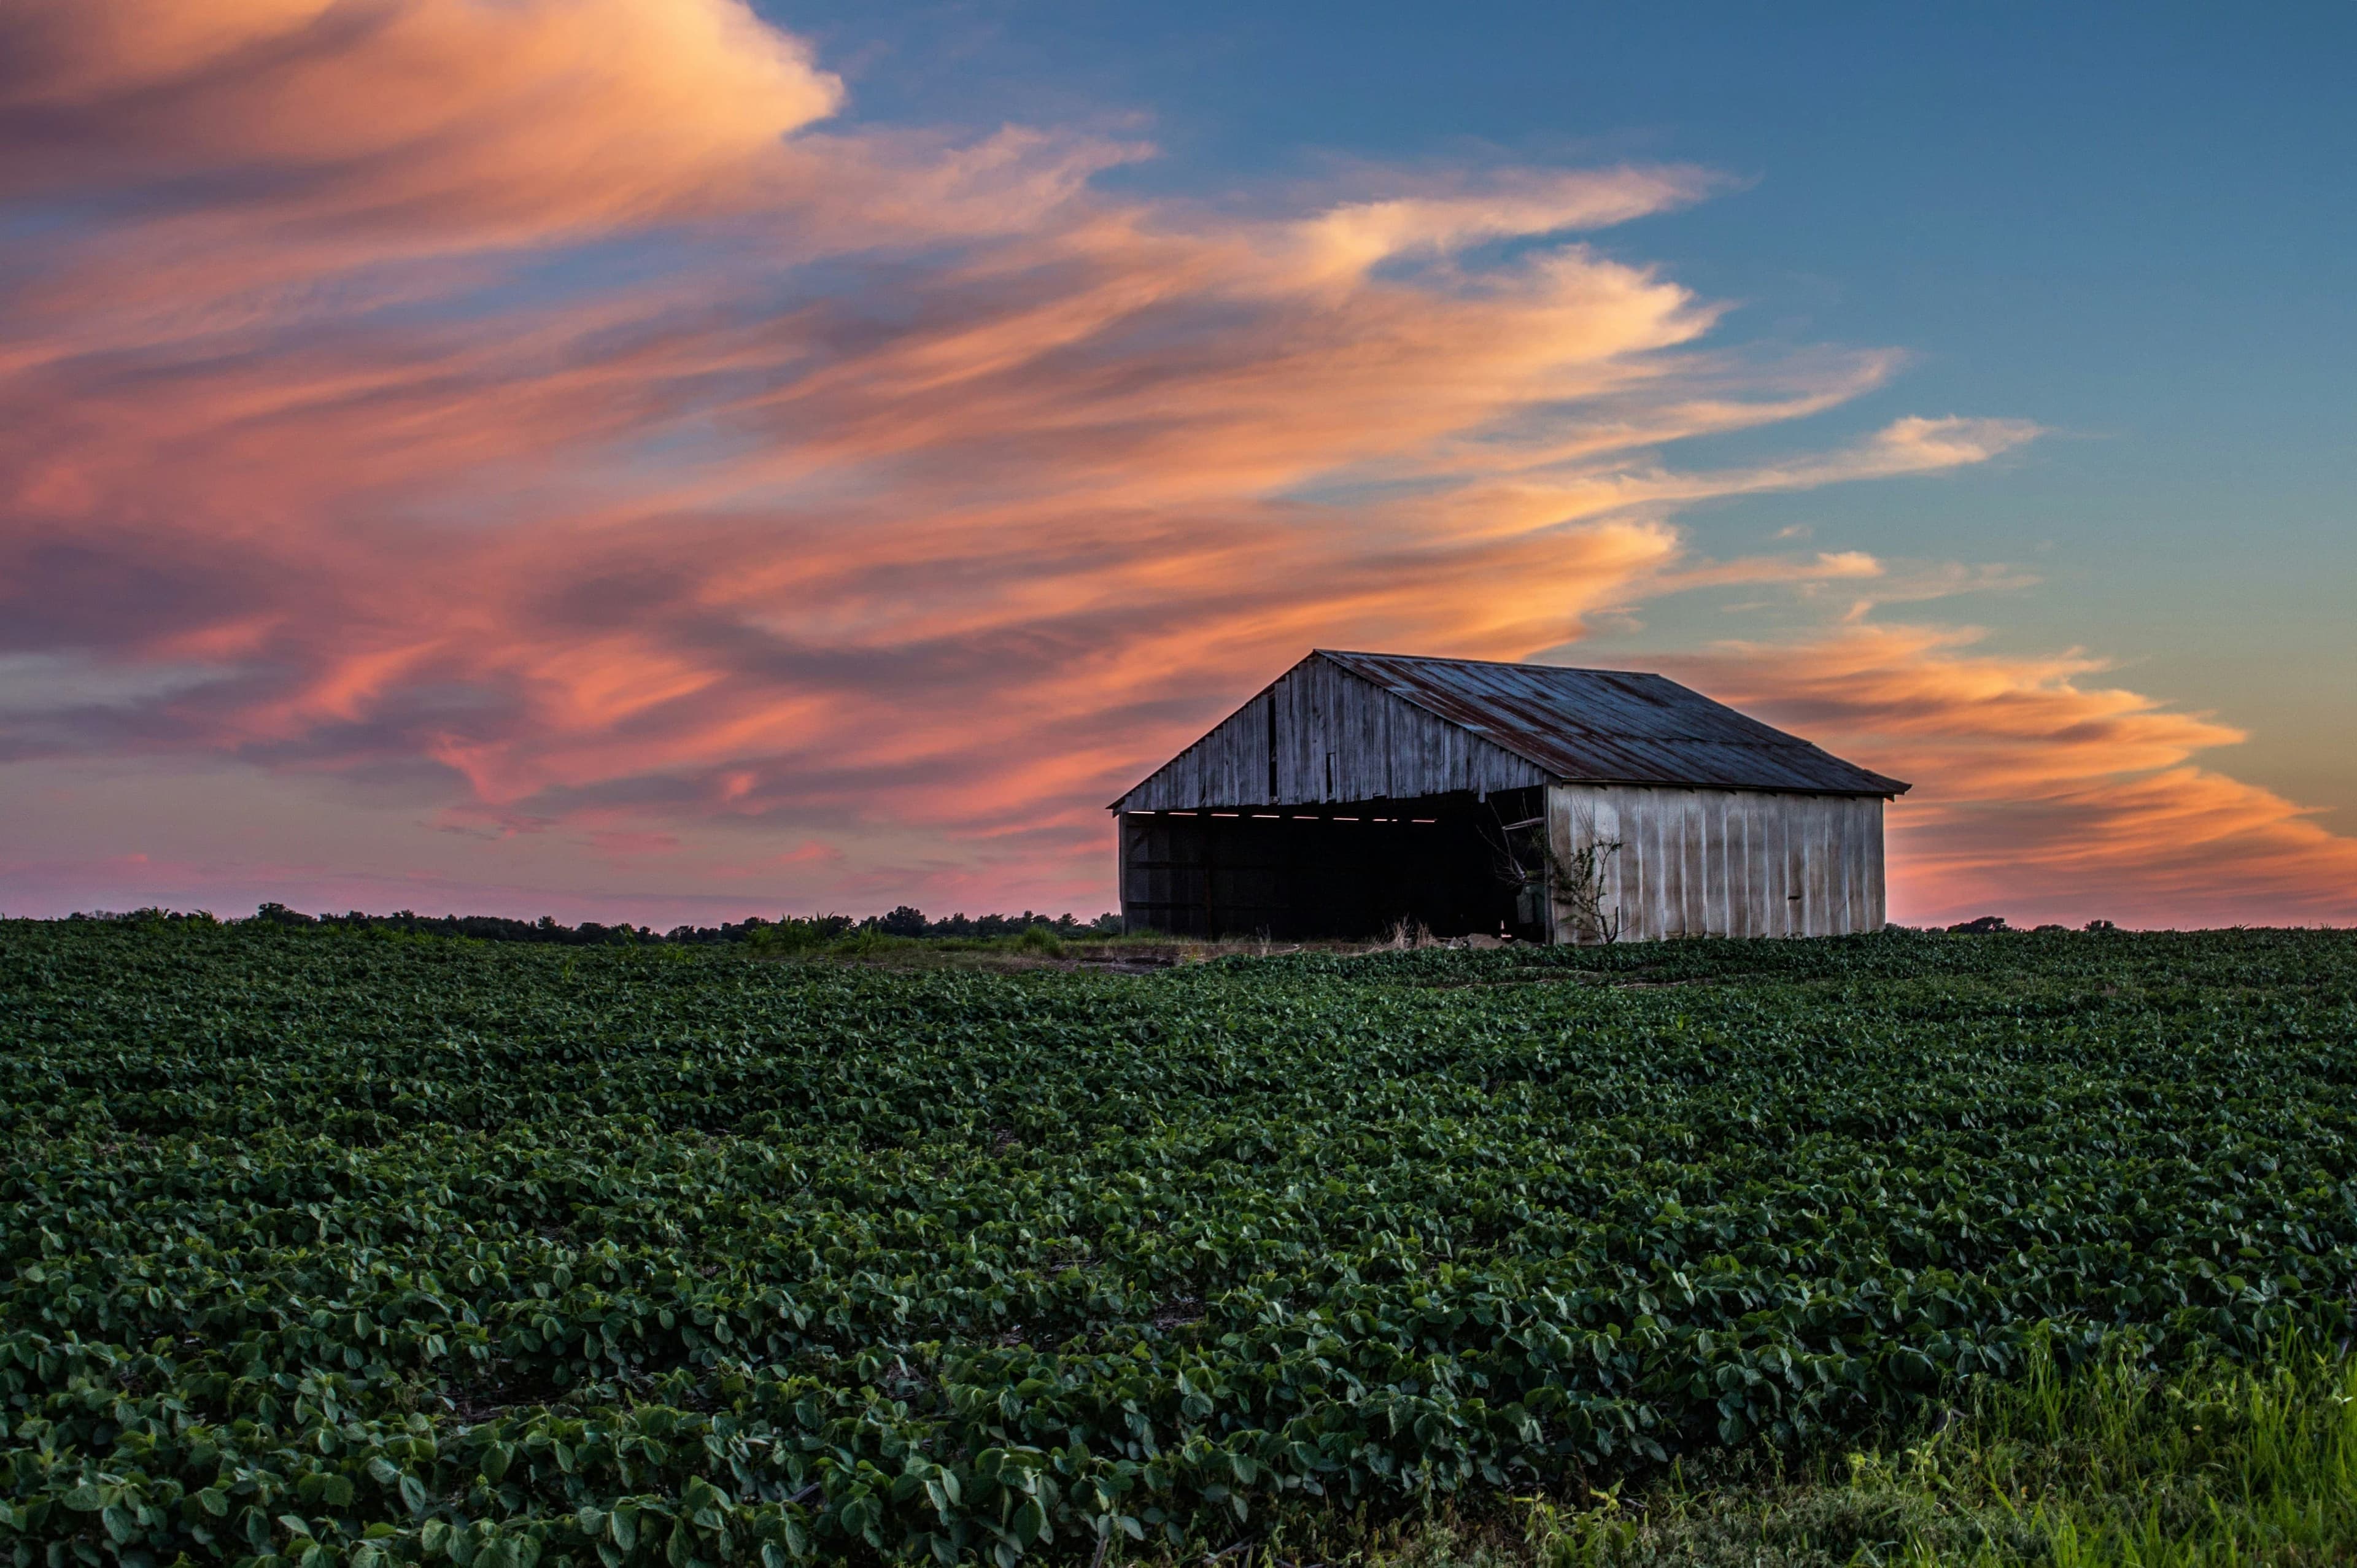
541 410
2043 794
430 116
1346 242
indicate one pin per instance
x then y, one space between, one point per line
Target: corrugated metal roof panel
1621 726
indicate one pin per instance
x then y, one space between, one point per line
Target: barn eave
1486 726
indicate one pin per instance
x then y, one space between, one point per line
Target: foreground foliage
2111 1464
349 1246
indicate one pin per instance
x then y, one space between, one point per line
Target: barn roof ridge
1519 708
1559 722
1452 659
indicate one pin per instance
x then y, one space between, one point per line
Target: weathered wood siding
1721 862
1321 734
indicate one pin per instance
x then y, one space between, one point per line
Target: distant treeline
791 930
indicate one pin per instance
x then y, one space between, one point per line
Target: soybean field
331 1247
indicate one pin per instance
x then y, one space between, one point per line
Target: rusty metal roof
1612 726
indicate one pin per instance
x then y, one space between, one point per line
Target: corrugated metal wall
1721 862
1322 735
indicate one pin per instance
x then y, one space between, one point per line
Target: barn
1359 790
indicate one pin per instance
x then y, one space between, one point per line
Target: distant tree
787 931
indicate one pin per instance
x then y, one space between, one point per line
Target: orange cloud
539 409
1347 242
503 118
2038 796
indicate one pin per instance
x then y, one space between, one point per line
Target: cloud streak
539 409
2041 795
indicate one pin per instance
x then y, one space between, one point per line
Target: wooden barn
1359 790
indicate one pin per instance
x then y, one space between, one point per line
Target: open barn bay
326 1247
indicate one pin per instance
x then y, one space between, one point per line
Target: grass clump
2111 1466
2218 1465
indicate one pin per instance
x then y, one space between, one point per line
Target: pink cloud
440 112
2039 796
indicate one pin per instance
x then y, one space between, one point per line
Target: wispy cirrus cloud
2041 794
540 408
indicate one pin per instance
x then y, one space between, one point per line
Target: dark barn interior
1454 864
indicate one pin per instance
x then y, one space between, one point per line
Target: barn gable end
1319 735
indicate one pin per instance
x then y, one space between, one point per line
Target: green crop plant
342 1247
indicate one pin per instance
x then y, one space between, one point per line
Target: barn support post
1123 827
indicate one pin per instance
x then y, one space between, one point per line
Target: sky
669 460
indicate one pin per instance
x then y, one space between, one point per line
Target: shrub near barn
346 1244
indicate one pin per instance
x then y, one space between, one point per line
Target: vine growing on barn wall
1581 881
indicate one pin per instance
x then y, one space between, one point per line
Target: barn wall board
1719 863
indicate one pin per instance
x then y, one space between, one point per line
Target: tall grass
2109 1466
2227 1466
